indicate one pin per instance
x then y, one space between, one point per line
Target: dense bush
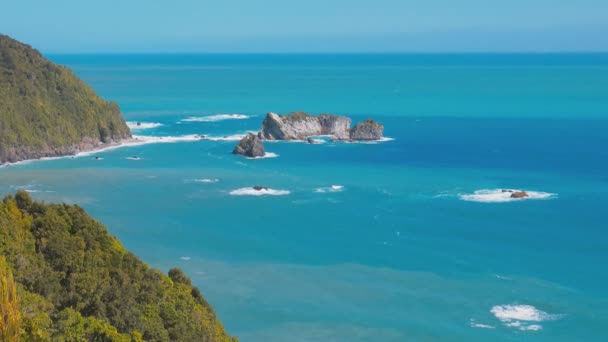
75 282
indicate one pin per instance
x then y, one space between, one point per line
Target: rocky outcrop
367 130
516 194
299 126
250 146
519 194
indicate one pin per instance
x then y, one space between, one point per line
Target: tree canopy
75 282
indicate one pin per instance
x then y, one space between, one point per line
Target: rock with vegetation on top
300 125
367 130
46 110
250 146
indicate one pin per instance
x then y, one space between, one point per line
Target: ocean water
409 239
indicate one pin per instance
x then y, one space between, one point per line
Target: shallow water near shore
405 239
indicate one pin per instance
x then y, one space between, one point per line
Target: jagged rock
519 194
299 126
250 146
367 130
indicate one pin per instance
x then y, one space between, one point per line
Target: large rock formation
250 146
45 110
301 126
367 130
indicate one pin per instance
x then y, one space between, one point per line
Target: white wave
520 316
333 188
207 180
370 142
214 118
498 196
266 155
253 192
480 325
385 139
138 125
233 137
31 188
134 158
185 258
136 140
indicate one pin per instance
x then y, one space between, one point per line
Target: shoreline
139 140
136 140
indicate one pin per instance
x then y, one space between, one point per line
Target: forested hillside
45 110
75 282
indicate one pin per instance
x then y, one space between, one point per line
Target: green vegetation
10 316
75 282
45 110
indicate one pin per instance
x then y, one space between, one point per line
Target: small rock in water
259 188
138 123
310 140
519 194
250 146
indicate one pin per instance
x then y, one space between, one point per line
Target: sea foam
207 180
133 125
499 196
214 118
266 155
333 188
253 192
520 316
233 137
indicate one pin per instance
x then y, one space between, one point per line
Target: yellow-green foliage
77 283
45 109
10 316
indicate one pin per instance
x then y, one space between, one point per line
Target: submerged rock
519 194
260 188
250 146
367 130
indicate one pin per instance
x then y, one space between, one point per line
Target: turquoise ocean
409 239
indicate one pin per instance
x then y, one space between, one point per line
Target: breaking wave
333 188
262 192
502 195
137 125
266 155
214 118
520 316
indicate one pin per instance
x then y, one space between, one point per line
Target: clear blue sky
307 25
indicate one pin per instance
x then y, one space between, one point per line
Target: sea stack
250 146
367 130
302 126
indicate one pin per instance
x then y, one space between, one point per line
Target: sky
309 26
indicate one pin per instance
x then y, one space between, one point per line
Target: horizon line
480 52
